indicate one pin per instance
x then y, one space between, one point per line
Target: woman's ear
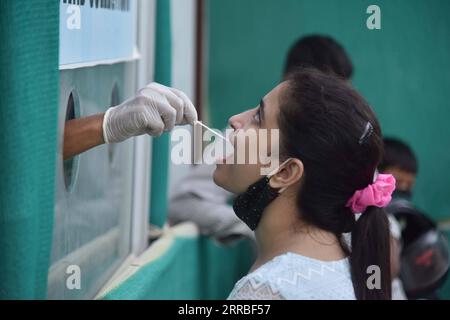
288 175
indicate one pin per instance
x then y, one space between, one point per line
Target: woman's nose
235 123
239 121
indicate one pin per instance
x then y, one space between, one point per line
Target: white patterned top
292 276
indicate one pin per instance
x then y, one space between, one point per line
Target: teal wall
403 69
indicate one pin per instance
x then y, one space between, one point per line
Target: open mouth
226 159
227 151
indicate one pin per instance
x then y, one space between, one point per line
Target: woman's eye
257 116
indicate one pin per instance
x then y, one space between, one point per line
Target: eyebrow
261 109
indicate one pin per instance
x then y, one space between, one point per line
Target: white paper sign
96 30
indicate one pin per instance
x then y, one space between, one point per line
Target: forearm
82 134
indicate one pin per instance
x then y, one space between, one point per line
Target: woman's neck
282 230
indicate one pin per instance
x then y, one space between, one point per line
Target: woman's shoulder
293 276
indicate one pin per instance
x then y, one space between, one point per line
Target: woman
331 145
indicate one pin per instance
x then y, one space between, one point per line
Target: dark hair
398 154
322 120
319 52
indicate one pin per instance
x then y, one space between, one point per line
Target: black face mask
249 206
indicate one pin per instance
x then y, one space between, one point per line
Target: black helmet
425 258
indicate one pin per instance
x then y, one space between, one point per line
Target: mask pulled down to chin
249 206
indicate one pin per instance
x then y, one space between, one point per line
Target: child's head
320 52
400 161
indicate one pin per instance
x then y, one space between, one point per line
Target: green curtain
160 149
29 87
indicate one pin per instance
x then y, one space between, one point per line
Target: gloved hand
155 109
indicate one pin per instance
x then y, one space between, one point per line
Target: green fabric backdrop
29 89
160 149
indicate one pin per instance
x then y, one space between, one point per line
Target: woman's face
237 178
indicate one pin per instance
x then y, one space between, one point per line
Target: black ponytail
322 121
371 247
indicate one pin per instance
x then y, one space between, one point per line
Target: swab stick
209 129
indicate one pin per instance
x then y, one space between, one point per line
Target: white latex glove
155 109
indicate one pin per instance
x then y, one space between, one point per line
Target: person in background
400 161
319 52
196 198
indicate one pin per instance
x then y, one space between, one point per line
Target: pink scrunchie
377 194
